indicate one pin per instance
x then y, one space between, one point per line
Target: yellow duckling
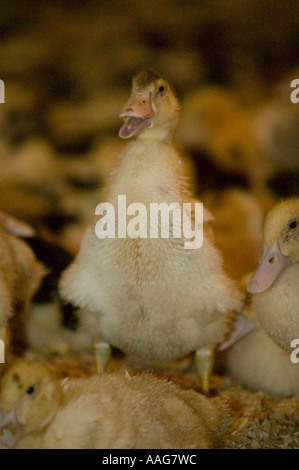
104 412
266 358
275 283
151 297
257 363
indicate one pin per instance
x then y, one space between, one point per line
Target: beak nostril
271 260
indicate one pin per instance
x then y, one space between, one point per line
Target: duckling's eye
293 224
30 390
161 90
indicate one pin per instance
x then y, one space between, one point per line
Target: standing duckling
151 297
104 412
275 283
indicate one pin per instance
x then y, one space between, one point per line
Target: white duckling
257 363
104 412
20 272
275 283
151 297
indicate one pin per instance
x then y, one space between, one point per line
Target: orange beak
137 114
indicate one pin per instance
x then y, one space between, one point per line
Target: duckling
20 273
262 360
275 283
257 363
107 411
150 297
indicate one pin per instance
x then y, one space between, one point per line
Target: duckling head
281 236
152 110
29 399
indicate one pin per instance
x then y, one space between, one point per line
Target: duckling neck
149 171
277 308
162 133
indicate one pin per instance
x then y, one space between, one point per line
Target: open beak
10 430
270 266
137 115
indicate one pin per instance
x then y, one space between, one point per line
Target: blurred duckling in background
214 121
276 123
20 273
54 328
237 216
262 360
150 297
49 325
52 325
31 186
104 412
